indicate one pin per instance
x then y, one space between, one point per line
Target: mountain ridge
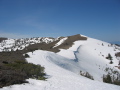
77 55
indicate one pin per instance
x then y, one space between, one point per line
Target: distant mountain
44 43
116 42
2 38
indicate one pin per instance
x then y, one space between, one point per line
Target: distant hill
116 42
2 38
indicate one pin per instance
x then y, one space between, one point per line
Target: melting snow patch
60 42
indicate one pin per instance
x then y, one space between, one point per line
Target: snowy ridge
91 57
63 68
20 44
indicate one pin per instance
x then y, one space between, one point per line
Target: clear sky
36 18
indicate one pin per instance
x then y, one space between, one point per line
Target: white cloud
13 35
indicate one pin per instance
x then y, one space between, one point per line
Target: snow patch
60 42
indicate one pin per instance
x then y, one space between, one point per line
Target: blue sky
35 18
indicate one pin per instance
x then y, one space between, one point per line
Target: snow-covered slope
63 68
90 56
20 44
59 75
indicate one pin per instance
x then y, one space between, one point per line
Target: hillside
71 58
44 43
91 56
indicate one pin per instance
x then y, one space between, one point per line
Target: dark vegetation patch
113 76
26 55
87 75
109 57
111 79
1 39
10 76
117 45
14 69
117 54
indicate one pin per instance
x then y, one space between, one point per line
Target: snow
63 68
60 42
60 76
20 44
118 58
91 56
69 53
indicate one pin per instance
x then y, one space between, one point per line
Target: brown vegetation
49 47
117 54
